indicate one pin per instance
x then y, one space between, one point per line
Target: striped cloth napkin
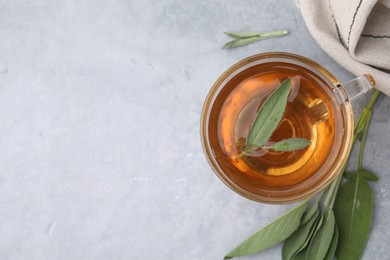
355 33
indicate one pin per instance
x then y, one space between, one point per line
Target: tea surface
311 113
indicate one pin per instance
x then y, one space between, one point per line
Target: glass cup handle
358 86
344 93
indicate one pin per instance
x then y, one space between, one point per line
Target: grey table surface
100 155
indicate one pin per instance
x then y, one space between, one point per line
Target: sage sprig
244 38
267 120
353 204
337 225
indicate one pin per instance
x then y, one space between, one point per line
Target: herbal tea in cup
277 127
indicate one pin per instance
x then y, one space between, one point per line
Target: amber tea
312 113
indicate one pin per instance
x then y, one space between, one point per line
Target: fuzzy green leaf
309 214
301 255
244 38
290 144
241 42
302 252
269 115
322 239
295 242
367 175
240 35
353 210
333 245
349 175
270 235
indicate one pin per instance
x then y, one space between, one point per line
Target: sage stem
361 151
364 119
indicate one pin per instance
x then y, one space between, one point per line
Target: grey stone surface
100 155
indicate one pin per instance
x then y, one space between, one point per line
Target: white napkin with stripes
355 33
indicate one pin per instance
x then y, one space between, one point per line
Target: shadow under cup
318 109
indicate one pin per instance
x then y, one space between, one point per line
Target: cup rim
320 71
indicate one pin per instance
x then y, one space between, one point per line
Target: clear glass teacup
318 109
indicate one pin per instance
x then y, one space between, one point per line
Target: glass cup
326 114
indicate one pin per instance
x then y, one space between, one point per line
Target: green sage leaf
322 239
244 38
350 175
353 210
269 115
295 242
302 252
290 144
239 35
333 245
241 42
301 255
366 174
309 214
313 211
270 235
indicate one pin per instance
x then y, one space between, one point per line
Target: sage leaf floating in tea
290 144
270 235
269 115
267 120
